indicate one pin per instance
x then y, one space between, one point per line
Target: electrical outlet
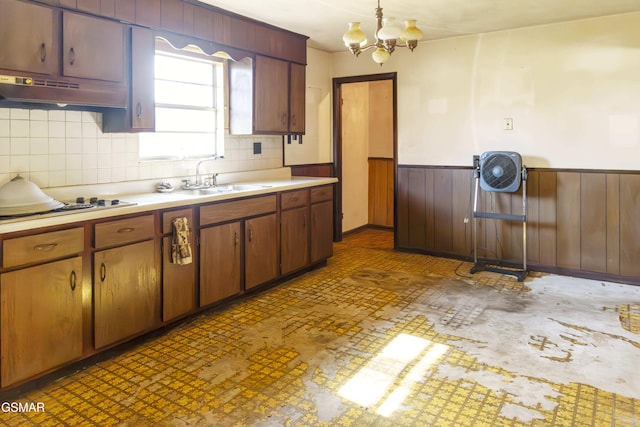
508 123
257 148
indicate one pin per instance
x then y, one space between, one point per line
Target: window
189 106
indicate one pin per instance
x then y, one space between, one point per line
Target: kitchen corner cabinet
125 279
178 280
294 230
28 48
41 305
139 116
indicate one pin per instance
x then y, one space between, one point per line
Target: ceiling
324 21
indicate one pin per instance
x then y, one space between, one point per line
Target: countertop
149 201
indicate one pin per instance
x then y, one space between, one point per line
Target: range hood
51 93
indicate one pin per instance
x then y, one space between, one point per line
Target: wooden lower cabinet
126 292
41 319
261 250
321 231
178 285
220 262
294 239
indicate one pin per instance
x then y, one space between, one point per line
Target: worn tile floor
377 338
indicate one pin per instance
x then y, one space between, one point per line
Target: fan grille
499 171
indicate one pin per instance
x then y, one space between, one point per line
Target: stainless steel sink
227 188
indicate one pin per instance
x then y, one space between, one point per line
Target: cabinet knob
235 239
103 272
72 280
46 247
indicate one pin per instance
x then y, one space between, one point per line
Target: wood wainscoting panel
630 225
593 222
381 191
613 223
578 221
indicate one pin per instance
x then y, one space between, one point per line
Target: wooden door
261 250
27 47
294 239
271 103
297 98
220 268
41 318
321 230
83 48
126 292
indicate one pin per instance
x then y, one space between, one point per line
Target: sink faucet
199 184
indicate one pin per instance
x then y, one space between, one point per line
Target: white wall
572 89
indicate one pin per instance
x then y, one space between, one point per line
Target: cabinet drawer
228 211
320 194
168 217
123 231
293 199
42 247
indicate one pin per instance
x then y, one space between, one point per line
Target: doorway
365 152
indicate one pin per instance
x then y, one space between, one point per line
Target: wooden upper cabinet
297 91
142 105
271 109
125 10
30 48
83 48
242 34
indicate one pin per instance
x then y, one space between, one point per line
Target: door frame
337 143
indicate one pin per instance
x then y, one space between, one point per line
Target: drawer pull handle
72 280
72 56
126 230
235 239
293 199
103 272
250 235
139 110
46 247
43 52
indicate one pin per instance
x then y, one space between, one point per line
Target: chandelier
388 36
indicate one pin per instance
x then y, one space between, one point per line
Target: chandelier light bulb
389 30
380 55
411 32
354 35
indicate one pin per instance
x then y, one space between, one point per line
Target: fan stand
477 267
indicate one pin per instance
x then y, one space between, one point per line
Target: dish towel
180 246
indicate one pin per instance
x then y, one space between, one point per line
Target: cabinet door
261 250
271 104
294 239
178 285
142 106
219 262
321 231
126 292
41 321
83 48
27 47
297 98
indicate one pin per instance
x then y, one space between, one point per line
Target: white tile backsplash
57 148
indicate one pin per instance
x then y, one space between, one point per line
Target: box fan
500 172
